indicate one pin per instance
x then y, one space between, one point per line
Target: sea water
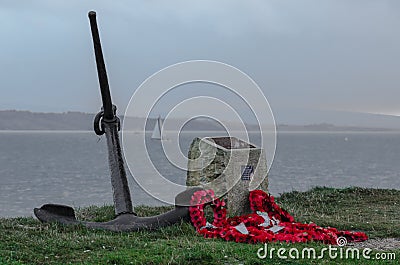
71 167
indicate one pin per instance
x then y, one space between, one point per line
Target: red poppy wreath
267 223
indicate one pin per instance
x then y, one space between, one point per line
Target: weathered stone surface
218 163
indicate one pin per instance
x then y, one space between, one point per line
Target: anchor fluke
50 213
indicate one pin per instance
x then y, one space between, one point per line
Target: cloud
336 54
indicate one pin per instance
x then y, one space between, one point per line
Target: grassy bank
26 241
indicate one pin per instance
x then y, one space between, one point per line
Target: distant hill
26 120
323 127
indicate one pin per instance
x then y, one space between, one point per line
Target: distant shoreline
13 120
205 131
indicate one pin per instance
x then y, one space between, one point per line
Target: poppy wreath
266 215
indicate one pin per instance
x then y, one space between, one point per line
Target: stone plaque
230 167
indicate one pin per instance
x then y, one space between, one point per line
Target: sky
315 61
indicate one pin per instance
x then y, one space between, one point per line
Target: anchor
106 122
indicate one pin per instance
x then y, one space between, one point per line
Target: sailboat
157 130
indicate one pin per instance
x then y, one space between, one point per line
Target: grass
26 241
376 211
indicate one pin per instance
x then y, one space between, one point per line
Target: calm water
71 167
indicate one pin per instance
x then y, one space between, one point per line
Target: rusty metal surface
119 182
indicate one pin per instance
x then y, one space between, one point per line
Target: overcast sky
308 57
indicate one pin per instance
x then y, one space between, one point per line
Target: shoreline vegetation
374 211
